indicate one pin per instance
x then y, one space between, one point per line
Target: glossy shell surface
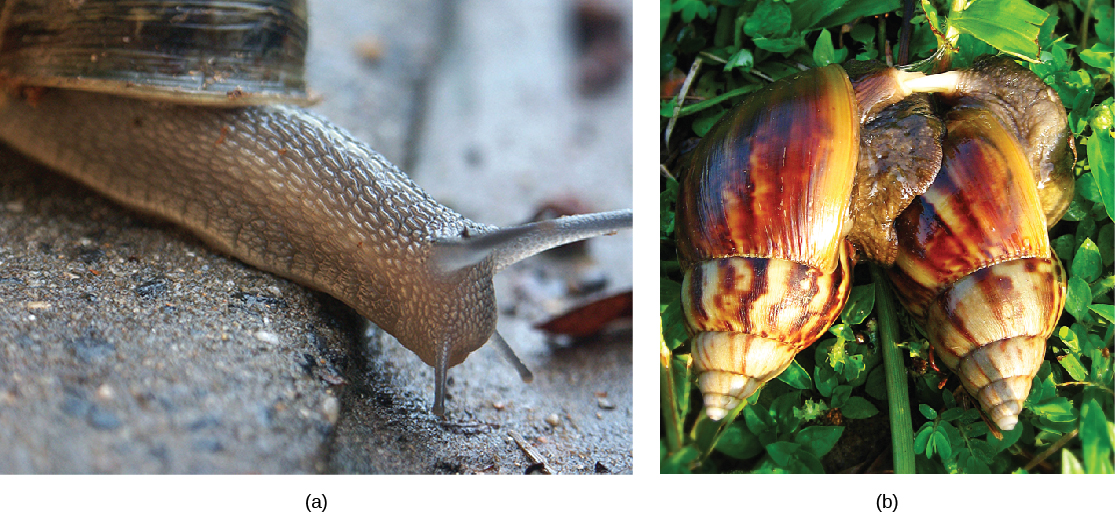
201 51
762 214
975 265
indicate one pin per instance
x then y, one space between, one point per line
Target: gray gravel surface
127 346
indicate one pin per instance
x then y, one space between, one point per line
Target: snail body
272 184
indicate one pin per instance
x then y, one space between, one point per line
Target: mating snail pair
784 190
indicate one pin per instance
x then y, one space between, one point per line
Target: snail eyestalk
509 353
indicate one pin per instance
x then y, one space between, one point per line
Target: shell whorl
772 178
752 316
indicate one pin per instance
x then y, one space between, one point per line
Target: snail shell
248 52
762 214
975 265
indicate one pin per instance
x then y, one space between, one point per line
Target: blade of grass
669 409
898 396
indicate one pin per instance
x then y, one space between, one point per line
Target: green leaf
743 59
796 376
1067 336
845 333
706 120
1100 156
823 52
1106 242
876 385
927 411
781 451
1070 465
1106 312
1065 247
738 442
860 304
818 440
858 408
1086 263
1012 26
673 325
770 19
840 394
783 45
784 412
679 461
858 9
1073 366
1095 438
1056 410
941 445
921 440
806 13
666 200
691 9
825 379
664 12
759 423
1098 56
1079 298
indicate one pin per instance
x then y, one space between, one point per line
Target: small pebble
498 406
105 392
331 408
605 404
369 48
553 420
37 305
267 337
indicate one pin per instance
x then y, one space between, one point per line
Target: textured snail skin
286 191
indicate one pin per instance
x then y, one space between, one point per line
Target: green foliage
837 390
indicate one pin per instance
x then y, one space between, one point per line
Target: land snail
806 176
191 111
975 265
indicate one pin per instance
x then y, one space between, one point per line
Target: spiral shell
762 215
975 264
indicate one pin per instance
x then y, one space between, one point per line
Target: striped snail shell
974 262
763 214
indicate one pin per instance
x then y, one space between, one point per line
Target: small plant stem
898 396
907 30
681 96
703 425
1049 451
881 35
669 406
1084 24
